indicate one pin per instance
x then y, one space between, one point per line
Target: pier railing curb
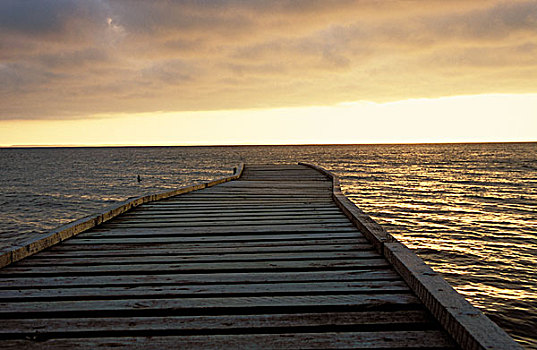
19 251
467 325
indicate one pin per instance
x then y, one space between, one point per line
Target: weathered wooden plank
204 278
212 210
54 327
277 185
358 242
279 169
285 232
204 305
230 211
178 206
231 290
257 193
156 237
277 179
268 190
271 166
246 201
147 268
281 174
276 188
238 198
255 166
311 217
269 207
152 259
238 205
337 340
286 176
254 192
233 221
294 185
325 223
334 223
233 214
207 247
177 258
237 229
225 219
243 183
134 245
282 186
208 208
212 249
262 192
261 195
208 202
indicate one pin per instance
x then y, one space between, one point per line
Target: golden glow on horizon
479 118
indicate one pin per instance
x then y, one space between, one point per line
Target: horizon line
259 145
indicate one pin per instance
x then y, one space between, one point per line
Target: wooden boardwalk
265 261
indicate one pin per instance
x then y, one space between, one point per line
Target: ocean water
469 210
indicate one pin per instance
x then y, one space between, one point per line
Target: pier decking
274 259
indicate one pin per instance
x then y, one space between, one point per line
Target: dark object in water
139 178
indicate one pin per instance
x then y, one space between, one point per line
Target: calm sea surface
469 210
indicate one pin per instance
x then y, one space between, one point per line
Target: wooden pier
272 257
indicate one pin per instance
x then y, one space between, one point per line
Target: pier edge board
466 324
14 253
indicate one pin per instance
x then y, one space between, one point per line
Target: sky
164 72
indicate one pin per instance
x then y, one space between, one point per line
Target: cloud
51 19
35 17
72 59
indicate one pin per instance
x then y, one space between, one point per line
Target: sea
468 210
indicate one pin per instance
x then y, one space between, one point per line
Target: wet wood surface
265 261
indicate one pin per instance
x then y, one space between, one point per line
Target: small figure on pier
234 170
